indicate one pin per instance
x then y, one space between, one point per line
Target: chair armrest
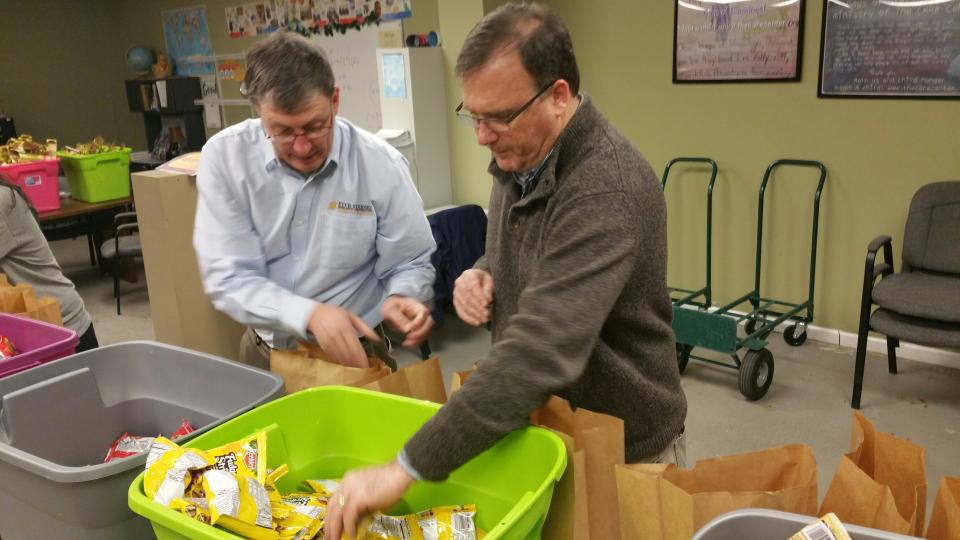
135 227
872 270
124 216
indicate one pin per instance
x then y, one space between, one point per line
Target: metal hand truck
717 330
690 297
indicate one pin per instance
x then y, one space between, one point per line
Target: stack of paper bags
308 367
21 300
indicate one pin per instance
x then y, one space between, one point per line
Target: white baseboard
910 351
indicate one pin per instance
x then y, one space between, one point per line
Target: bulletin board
890 49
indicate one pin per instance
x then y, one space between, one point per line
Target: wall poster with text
746 41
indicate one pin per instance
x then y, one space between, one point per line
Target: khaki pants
675 452
255 352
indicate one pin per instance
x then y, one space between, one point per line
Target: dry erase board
353 57
890 48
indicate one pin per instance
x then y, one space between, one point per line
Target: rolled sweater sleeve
586 261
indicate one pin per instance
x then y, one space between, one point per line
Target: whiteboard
353 57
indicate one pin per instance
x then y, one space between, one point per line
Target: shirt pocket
347 241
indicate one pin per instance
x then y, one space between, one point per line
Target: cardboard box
182 313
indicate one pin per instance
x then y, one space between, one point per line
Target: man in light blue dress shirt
306 225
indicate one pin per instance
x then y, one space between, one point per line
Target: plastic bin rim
65 474
46 159
854 530
122 150
43 323
141 505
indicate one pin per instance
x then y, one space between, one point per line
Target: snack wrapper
168 472
448 523
128 445
246 455
184 429
7 350
384 527
325 487
828 527
301 515
193 508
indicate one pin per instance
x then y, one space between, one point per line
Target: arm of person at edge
585 265
234 274
404 246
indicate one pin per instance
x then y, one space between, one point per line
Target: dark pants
88 340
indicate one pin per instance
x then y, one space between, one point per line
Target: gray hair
286 69
537 33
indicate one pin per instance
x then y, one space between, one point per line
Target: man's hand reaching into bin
362 492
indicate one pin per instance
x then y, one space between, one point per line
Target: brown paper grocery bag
4 282
881 483
459 377
420 380
13 299
308 367
45 309
945 516
598 447
662 502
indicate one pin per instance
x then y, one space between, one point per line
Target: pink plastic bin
38 343
38 180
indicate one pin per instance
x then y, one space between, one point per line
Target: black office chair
124 244
921 303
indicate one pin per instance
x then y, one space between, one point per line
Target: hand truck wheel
793 338
756 374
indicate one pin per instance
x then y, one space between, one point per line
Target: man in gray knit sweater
574 278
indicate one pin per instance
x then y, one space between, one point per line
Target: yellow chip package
828 527
384 527
326 487
249 453
239 503
448 523
169 473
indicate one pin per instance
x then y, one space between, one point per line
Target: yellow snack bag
271 485
448 523
827 527
302 515
193 508
326 487
236 500
384 527
249 453
168 474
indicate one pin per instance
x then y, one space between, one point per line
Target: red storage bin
38 180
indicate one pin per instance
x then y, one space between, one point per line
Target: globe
140 58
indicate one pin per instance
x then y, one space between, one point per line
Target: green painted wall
67 82
878 153
468 162
54 69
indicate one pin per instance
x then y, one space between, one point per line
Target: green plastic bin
98 177
323 432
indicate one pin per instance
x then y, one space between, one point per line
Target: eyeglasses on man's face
312 132
499 124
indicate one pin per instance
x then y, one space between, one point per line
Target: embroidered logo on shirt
355 209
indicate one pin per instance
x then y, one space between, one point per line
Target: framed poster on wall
743 41
890 49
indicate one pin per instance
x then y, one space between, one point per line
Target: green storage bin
323 432
98 177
